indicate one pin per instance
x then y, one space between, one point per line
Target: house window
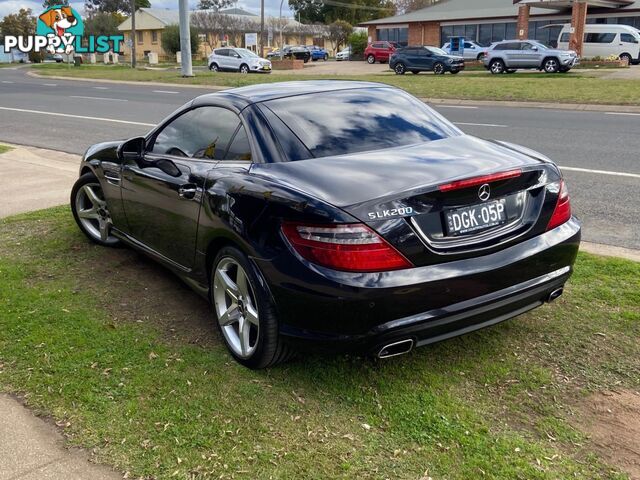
154 36
140 37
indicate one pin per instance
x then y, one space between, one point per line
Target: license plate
471 219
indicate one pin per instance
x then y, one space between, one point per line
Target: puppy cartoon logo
60 29
60 21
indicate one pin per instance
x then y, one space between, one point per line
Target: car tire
415 72
371 59
510 71
455 72
326 57
214 67
400 68
551 65
244 68
496 67
91 212
253 311
627 57
438 68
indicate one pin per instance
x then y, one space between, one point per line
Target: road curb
584 107
610 251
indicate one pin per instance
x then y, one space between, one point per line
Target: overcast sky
272 7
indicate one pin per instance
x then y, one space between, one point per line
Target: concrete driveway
33 179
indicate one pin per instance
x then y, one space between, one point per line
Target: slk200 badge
393 212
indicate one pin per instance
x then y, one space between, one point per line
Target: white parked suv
237 60
606 40
472 50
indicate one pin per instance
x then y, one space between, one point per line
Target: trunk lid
411 195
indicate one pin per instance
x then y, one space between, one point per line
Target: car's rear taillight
348 247
562 212
475 181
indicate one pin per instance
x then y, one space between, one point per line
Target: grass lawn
124 355
573 87
4 149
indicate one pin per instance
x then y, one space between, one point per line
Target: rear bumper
427 304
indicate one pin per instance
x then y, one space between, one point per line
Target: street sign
250 39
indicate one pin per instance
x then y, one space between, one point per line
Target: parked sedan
425 59
300 52
385 229
237 60
318 53
512 55
343 54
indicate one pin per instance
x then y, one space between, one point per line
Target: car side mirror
132 149
535 49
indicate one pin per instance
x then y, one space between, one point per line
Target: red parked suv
379 51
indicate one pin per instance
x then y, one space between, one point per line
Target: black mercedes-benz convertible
342 214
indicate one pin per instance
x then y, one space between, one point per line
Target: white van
605 40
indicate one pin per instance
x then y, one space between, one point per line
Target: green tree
171 39
114 6
21 23
406 6
358 42
214 4
339 32
53 3
352 11
102 23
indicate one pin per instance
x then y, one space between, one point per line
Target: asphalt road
70 115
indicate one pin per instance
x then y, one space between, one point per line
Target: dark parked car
292 51
425 59
379 51
371 224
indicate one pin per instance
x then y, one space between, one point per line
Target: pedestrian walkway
32 449
33 179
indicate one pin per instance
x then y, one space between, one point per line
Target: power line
335 3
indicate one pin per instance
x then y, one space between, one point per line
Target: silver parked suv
511 55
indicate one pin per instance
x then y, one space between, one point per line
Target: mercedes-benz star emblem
485 192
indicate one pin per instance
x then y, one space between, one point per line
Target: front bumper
427 304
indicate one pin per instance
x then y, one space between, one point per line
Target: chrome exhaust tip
396 348
555 294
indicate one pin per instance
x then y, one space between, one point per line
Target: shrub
358 42
171 39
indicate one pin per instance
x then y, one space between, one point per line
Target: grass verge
494 404
573 87
5 149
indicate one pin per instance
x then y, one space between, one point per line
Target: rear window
359 120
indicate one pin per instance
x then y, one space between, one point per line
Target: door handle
187 191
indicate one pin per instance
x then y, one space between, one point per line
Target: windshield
245 53
437 51
360 120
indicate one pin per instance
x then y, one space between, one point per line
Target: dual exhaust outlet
402 347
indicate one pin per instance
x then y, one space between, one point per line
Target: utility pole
185 39
133 34
261 27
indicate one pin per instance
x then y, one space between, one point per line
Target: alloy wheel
399 69
551 66
236 307
497 67
213 67
93 213
438 69
371 59
244 69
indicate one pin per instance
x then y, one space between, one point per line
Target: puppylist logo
60 29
